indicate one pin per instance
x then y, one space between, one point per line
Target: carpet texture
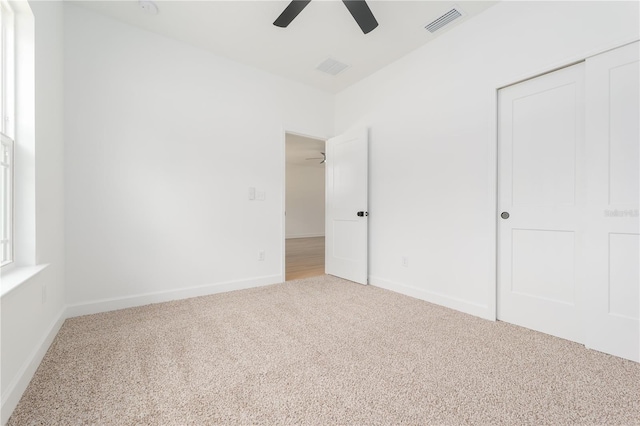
319 351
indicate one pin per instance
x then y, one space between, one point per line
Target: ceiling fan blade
290 12
323 158
362 14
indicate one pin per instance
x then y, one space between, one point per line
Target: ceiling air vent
440 22
331 66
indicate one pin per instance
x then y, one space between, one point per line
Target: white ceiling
243 31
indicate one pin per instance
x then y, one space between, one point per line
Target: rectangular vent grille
331 66
443 20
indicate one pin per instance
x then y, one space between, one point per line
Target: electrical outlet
252 193
261 255
260 195
405 261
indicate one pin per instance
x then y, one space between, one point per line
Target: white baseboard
114 304
291 237
19 384
461 305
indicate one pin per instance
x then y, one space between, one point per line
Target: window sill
18 275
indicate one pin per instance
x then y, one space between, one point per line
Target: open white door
346 206
612 237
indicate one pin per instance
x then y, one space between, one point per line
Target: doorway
304 207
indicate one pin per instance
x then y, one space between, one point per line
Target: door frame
283 225
492 153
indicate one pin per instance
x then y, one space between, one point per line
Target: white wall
432 119
305 201
305 182
29 323
163 141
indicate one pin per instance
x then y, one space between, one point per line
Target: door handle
362 214
504 215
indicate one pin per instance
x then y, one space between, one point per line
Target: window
6 162
7 93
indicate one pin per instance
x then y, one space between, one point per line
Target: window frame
6 194
7 132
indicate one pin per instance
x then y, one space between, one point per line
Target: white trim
283 212
24 219
8 71
113 304
7 199
465 306
492 216
574 59
18 275
19 384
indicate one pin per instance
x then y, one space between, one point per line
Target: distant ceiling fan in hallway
324 158
358 9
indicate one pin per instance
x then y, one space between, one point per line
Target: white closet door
541 189
612 240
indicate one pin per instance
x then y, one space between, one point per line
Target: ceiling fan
324 158
358 9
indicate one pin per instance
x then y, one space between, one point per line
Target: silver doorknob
504 215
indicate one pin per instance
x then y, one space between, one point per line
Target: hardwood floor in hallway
304 257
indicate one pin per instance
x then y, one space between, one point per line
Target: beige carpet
319 351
